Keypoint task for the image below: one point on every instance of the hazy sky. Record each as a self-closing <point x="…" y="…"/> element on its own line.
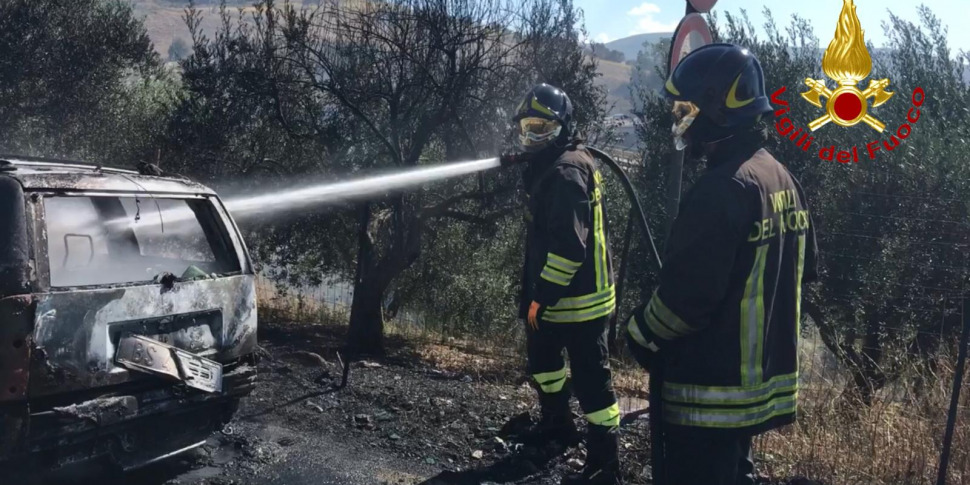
<point x="613" y="19"/>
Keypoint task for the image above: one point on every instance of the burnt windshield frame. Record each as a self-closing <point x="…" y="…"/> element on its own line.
<point x="216" y="233"/>
<point x="203" y="205"/>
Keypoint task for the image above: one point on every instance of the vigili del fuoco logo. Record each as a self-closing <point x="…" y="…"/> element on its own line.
<point x="847" y="62"/>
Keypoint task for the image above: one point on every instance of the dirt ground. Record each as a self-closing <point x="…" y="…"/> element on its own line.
<point x="431" y="415"/>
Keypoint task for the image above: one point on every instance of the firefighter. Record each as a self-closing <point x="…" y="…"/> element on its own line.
<point x="724" y="321"/>
<point x="568" y="290"/>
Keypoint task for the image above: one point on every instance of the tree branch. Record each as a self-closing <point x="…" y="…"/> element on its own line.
<point x="445" y="205"/>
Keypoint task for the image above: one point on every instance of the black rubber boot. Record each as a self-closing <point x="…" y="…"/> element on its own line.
<point x="602" y="459"/>
<point x="555" y="424"/>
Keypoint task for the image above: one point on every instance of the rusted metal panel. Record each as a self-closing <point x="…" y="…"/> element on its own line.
<point x="87" y="180"/>
<point x="76" y="333"/>
<point x="14" y="248"/>
<point x="16" y="325"/>
<point x="101" y="412"/>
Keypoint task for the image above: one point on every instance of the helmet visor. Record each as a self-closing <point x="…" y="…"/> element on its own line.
<point x="535" y="131"/>
<point x="685" y="113"/>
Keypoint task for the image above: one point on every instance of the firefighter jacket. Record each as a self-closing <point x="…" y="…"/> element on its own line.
<point x="567" y="266"/>
<point x="726" y="314"/>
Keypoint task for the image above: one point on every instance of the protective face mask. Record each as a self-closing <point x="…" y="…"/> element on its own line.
<point x="535" y="133"/>
<point x="684" y="115"/>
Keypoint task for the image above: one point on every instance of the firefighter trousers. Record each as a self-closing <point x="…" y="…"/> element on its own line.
<point x="701" y="456"/>
<point x="589" y="361"/>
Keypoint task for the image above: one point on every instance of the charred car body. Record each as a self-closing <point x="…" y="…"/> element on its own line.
<point x="127" y="314"/>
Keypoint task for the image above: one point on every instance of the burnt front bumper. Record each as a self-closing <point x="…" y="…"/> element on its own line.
<point x="133" y="423"/>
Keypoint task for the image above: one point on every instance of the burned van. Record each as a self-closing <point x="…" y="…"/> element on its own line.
<point x="127" y="314"/>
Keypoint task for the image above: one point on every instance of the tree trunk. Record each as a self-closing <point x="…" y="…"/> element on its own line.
<point x="366" y="335"/>
<point x="366" y="332"/>
<point x="401" y="248"/>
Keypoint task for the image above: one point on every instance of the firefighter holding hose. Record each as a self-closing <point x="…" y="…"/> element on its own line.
<point x="568" y="291"/>
<point x="724" y="321"/>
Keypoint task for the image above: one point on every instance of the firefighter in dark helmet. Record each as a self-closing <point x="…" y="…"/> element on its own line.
<point x="567" y="289"/>
<point x="724" y="321"/>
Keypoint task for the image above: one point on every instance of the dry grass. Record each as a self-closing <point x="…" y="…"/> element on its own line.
<point x="278" y="306"/>
<point x="896" y="441"/>
<point x="164" y="22"/>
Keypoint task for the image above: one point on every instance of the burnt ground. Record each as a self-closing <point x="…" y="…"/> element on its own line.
<point x="431" y="415"/>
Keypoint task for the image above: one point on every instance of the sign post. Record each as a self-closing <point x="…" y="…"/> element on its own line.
<point x="691" y="33"/>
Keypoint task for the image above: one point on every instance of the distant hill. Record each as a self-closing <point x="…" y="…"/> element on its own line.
<point x="163" y="18"/>
<point x="630" y="46"/>
<point x="615" y="77"/>
<point x="165" y="23"/>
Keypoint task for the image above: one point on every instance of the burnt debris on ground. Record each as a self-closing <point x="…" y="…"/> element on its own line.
<point x="429" y="414"/>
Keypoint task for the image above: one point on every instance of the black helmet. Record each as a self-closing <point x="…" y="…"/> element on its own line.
<point x="722" y="82"/>
<point x="543" y="117"/>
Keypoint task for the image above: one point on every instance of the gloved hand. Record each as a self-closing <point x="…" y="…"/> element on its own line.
<point x="534" y="311"/>
<point x="643" y="344"/>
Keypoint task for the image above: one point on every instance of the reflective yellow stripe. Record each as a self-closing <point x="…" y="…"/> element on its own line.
<point x="798" y="284"/>
<point x="536" y="105"/>
<point x="667" y="317"/>
<point x="551" y="382"/>
<point x="602" y="279"/>
<point x="562" y="264"/>
<point x="671" y="88"/>
<point x="581" y="315"/>
<point x="584" y="301"/>
<point x="605" y="417"/>
<point x="553" y="276"/>
<point x="753" y="321"/>
<point x="730" y="395"/>
<point x="599" y="234"/>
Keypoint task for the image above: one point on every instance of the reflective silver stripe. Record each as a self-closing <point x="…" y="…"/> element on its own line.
<point x="798" y="284"/>
<point x="656" y="326"/>
<point x="731" y="418"/>
<point x="597" y="251"/>
<point x="752" y="320"/>
<point x="668" y="317"/>
<point x="635" y="332"/>
<point x="553" y="277"/>
<point x="556" y="271"/>
<point x="685" y="393"/>
<point x="584" y="300"/>
<point x="597" y="311"/>
<point x="562" y="264"/>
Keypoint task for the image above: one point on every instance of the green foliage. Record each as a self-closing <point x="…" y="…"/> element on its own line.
<point x="77" y="76"/>
<point x="600" y="51"/>
<point x="338" y="89"/>
<point x="893" y="230"/>
<point x="179" y="49"/>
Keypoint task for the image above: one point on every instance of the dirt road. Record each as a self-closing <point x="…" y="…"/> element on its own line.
<point x="403" y="420"/>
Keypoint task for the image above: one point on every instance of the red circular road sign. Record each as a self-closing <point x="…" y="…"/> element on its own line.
<point x="702" y="6"/>
<point x="691" y="33"/>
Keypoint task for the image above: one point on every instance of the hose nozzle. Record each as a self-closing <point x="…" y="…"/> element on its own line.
<point x="508" y="159"/>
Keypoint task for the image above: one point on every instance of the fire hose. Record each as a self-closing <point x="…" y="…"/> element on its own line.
<point x="656" y="372"/>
